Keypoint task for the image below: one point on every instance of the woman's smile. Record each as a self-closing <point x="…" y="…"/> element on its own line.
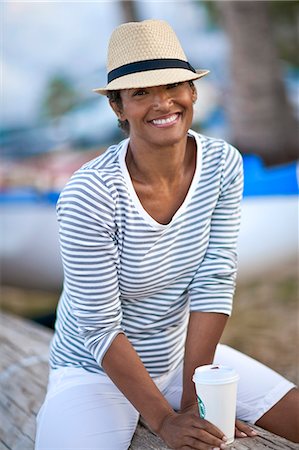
<point x="165" y="121"/>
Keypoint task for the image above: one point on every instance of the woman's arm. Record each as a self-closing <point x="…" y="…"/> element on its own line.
<point x="211" y="291"/>
<point x="185" y="430"/>
<point x="212" y="288"/>
<point x="123" y="365"/>
<point x="204" y="333"/>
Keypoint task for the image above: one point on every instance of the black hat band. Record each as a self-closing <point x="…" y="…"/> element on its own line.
<point x="149" y="64"/>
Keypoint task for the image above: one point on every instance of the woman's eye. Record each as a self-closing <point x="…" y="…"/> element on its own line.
<point x="173" y="85"/>
<point x="139" y="92"/>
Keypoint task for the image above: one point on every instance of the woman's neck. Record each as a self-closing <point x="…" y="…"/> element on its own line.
<point x="160" y="165"/>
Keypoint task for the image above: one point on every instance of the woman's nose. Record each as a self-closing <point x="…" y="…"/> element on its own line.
<point x="162" y="100"/>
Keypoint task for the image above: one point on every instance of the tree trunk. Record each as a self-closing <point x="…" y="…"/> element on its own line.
<point x="129" y="9"/>
<point x="262" y="119"/>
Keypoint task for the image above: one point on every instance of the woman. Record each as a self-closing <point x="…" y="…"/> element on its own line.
<point x="148" y="239"/>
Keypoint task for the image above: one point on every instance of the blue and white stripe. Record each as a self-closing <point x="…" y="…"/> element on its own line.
<point x="126" y="273"/>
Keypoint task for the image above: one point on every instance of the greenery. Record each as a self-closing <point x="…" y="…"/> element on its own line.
<point x="60" y="97"/>
<point x="284" y="17"/>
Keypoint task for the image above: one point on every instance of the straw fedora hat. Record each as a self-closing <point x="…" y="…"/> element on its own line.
<point x="145" y="54"/>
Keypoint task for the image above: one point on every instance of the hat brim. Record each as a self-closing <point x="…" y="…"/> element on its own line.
<point x="151" y="78"/>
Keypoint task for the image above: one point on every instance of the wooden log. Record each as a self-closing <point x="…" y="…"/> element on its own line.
<point x="23" y="379"/>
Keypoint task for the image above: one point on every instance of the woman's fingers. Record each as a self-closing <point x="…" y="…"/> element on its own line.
<point x="199" y="445"/>
<point x="207" y="433"/>
<point x="202" y="423"/>
<point x="244" y="430"/>
<point x="188" y="430"/>
<point x="203" y="439"/>
<point x="210" y="428"/>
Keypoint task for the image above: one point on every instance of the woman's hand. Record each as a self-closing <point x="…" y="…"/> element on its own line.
<point x="243" y="430"/>
<point x="186" y="430"/>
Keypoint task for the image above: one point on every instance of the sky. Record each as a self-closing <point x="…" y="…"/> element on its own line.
<point x="44" y="38"/>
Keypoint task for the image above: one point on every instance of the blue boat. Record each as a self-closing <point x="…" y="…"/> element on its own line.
<point x="29" y="249"/>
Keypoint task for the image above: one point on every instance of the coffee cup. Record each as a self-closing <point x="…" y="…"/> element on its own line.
<point x="216" y="390"/>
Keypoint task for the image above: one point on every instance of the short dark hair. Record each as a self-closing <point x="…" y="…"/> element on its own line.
<point x="115" y="97"/>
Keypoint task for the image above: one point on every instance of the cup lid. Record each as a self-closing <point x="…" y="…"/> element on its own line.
<point x="215" y="374"/>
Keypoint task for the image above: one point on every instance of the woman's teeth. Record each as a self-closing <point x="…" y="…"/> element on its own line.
<point x="165" y="121"/>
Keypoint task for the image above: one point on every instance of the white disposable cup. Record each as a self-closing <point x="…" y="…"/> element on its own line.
<point x="216" y="389"/>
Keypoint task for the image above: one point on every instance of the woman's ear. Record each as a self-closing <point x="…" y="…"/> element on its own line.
<point x="194" y="94"/>
<point x="116" y="108"/>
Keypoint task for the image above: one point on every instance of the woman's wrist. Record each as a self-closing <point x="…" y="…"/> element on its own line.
<point x="159" y="430"/>
<point x="188" y="396"/>
<point x="188" y="404"/>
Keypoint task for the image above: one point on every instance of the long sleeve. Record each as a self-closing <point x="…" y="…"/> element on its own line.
<point x="212" y="287"/>
<point x="90" y="260"/>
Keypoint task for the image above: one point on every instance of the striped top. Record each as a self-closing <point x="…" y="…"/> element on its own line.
<point x="127" y="273"/>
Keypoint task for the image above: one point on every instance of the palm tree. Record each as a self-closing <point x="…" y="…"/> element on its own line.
<point x="261" y="116"/>
<point x="60" y="97"/>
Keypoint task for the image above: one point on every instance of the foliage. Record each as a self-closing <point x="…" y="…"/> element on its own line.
<point x="60" y="97"/>
<point x="284" y="15"/>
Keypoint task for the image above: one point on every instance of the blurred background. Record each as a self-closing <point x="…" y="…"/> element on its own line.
<point x="53" y="54"/>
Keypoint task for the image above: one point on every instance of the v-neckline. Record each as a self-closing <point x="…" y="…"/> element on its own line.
<point x="142" y="211"/>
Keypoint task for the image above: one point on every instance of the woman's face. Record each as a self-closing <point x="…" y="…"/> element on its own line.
<point x="159" y="115"/>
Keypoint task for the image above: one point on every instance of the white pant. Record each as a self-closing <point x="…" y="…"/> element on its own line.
<point x="84" y="410"/>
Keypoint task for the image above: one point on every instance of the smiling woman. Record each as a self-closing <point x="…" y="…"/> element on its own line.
<point x="148" y="235"/>
<point x="116" y="102"/>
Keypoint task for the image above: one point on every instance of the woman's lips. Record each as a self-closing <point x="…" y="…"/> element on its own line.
<point x="165" y="121"/>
